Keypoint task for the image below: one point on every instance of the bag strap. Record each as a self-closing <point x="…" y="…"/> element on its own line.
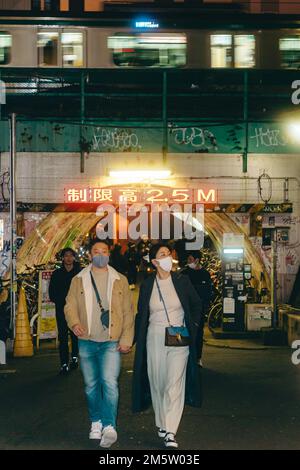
<point x="96" y="292"/>
<point x="162" y="300"/>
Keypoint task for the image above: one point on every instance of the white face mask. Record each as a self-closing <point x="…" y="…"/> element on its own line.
<point x="192" y="265"/>
<point x="166" y="263"/>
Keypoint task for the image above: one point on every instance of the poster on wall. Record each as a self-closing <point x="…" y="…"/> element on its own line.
<point x="47" y="328"/>
<point x="4" y="244"/>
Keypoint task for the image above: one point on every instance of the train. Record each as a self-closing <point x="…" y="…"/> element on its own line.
<point x="133" y="41"/>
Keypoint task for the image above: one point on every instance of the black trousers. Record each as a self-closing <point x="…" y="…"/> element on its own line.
<point x="200" y="332"/>
<point x="132" y="275"/>
<point x="63" y="338"/>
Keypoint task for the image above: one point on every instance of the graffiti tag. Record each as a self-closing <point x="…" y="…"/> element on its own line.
<point x="196" y="137"/>
<point x="115" y="139"/>
<point x="265" y="137"/>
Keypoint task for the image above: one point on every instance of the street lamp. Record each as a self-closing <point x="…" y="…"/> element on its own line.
<point x="293" y="129"/>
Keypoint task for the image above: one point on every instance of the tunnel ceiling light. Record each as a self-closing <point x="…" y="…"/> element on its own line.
<point x="233" y="251"/>
<point x="139" y="175"/>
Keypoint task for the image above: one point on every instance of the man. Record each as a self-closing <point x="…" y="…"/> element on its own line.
<point x="131" y="259"/>
<point x="201" y="280"/>
<point x="143" y="248"/>
<point x="99" y="311"/>
<point x="58" y="289"/>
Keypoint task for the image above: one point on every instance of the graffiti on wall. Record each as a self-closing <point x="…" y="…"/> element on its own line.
<point x="115" y="140"/>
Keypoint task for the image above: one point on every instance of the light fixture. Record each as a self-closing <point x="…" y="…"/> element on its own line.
<point x="233" y="251"/>
<point x="293" y="129"/>
<point x="139" y="175"/>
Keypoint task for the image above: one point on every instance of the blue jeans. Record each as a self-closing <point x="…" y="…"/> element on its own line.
<point x="100" y="365"/>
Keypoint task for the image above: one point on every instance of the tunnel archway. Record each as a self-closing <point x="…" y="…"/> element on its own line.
<point x="61" y="229"/>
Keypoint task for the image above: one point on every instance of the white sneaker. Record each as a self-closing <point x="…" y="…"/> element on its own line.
<point x="96" y="430"/>
<point x="161" y="433"/>
<point x="170" y="440"/>
<point x="109" y="437"/>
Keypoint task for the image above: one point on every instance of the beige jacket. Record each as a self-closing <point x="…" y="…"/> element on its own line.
<point x="79" y="304"/>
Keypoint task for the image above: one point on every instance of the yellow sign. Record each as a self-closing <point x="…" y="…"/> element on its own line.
<point x="47" y="328"/>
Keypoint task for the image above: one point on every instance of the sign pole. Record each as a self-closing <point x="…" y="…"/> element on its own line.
<point x="274" y="279"/>
<point x="13" y="223"/>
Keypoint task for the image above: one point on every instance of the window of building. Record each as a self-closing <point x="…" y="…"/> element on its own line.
<point x="221" y="50"/>
<point x="48" y="48"/>
<point x="72" y="49"/>
<point x="229" y="50"/>
<point x="5" y="47"/>
<point x="148" y="50"/>
<point x="289" y="48"/>
<point x="244" y="50"/>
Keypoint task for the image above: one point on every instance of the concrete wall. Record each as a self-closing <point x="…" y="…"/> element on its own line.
<point x="41" y="177"/>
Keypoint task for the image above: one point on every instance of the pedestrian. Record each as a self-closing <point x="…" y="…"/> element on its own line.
<point x="99" y="311"/>
<point x="201" y="280"/>
<point x="143" y="248"/>
<point x="166" y="375"/>
<point x="117" y="260"/>
<point x="131" y="258"/>
<point x="58" y="289"/>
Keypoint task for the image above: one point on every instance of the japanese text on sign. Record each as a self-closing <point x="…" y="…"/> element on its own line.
<point x="134" y="195"/>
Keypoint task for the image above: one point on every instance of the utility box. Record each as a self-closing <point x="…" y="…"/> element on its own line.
<point x="233" y="283"/>
<point x="258" y="316"/>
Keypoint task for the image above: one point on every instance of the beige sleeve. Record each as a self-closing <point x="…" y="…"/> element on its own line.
<point x="128" y="316"/>
<point x="71" y="307"/>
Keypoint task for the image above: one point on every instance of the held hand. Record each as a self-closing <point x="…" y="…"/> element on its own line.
<point x="124" y="349"/>
<point x="78" y="330"/>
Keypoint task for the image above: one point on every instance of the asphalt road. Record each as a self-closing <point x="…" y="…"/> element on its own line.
<point x="251" y="401"/>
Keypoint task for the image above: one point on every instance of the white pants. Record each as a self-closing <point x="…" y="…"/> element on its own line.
<point x="167" y="373"/>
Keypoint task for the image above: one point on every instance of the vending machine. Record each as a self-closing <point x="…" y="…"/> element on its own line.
<point x="234" y="293"/>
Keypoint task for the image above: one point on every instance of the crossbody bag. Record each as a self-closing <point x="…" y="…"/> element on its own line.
<point x="104" y="316"/>
<point x="175" y="335"/>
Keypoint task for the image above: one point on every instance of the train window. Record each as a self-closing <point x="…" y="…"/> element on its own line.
<point x="290" y="52"/>
<point x="72" y="49"/>
<point x="48" y="48"/>
<point x="221" y="50"/>
<point x="5" y="47"/>
<point x="223" y="55"/>
<point x="244" y="50"/>
<point x="148" y="49"/>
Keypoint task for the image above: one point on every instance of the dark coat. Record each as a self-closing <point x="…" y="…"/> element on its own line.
<point x="60" y="284"/>
<point x="191" y="303"/>
<point x="201" y="280"/>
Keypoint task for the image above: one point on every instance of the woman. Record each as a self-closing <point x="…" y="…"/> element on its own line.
<point x="167" y="375"/>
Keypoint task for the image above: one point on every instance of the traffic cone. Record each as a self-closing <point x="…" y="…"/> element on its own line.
<point x="23" y="346"/>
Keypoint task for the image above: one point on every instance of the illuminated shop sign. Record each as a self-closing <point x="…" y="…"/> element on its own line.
<point x="147" y="24"/>
<point x="139" y="195"/>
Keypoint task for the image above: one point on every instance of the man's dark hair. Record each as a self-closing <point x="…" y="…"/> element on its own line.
<point x="97" y="240"/>
<point x="155" y="249"/>
<point x="194" y="254"/>
<point x="68" y="250"/>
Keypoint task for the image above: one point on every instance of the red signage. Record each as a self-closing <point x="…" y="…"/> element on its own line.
<point x="76" y="195"/>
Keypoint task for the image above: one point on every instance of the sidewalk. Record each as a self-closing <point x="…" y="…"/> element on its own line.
<point x="251" y="401"/>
